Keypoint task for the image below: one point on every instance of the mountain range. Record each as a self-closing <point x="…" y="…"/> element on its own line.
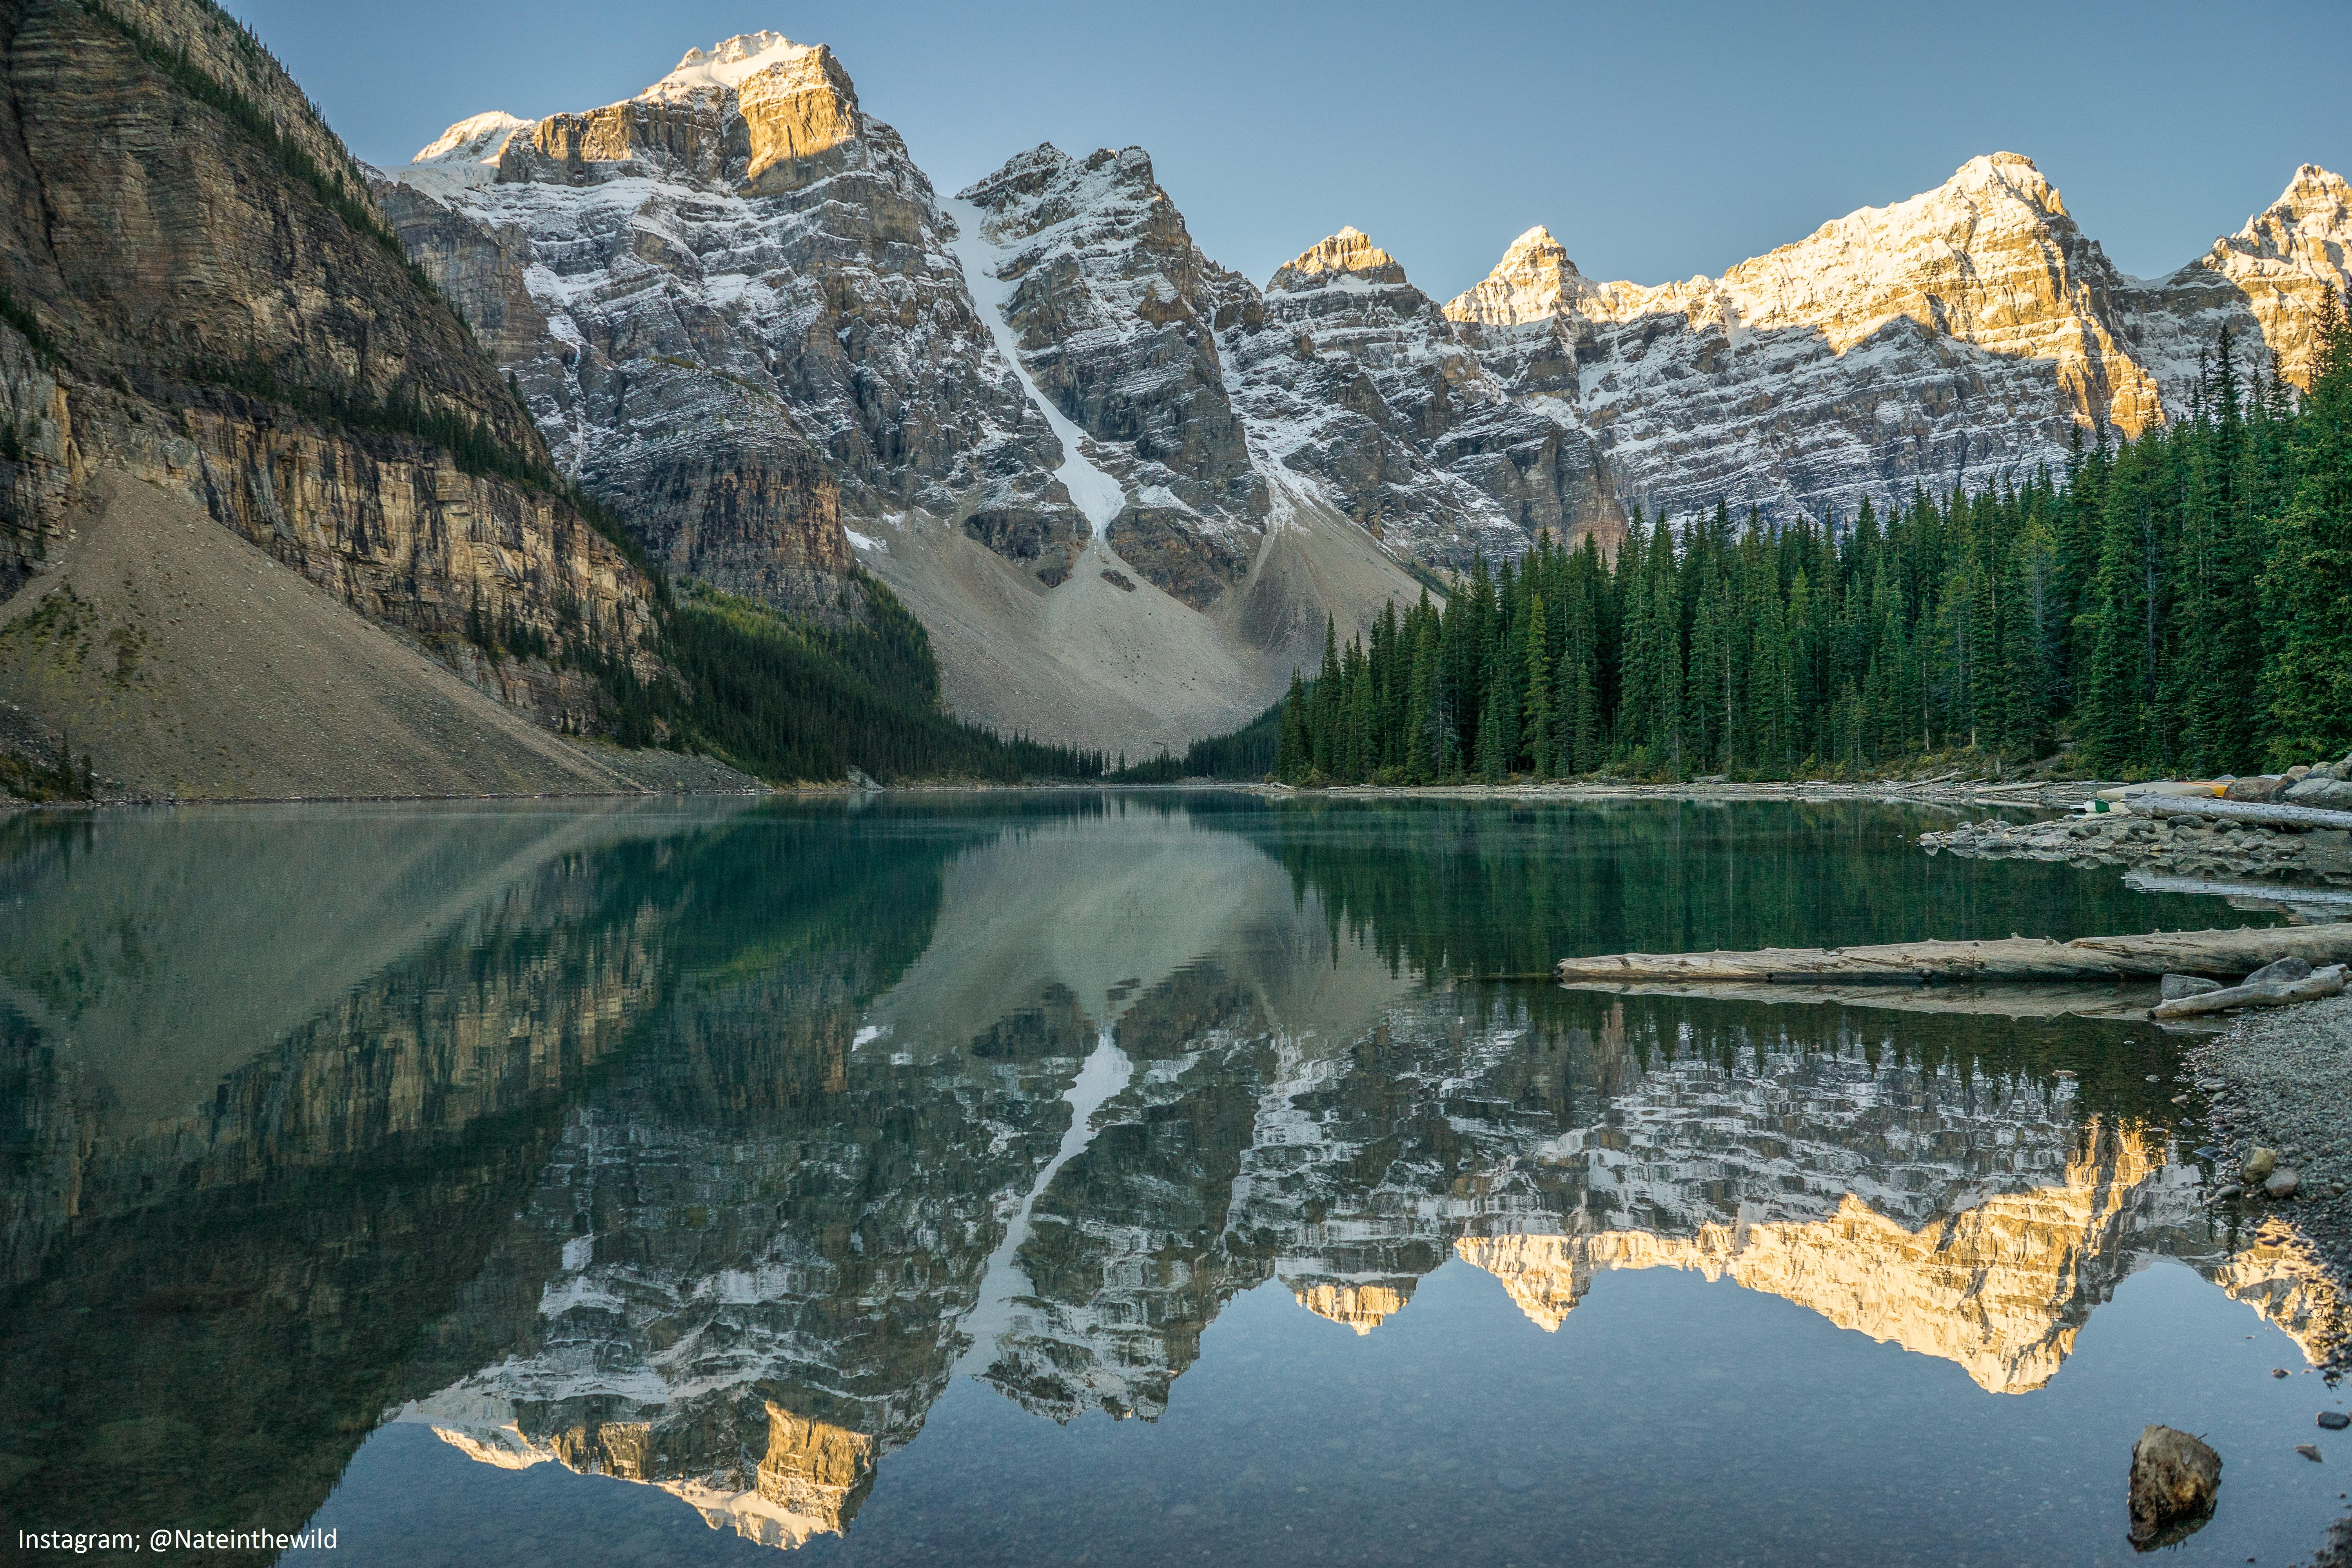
<point x="1123" y="485"/>
<point x="479" y="412"/>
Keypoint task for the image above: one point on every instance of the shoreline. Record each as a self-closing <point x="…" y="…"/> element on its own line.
<point x="2285" y="1083"/>
<point x="2060" y="794"/>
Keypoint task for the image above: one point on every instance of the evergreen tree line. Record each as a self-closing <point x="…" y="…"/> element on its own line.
<point x="1247" y="753"/>
<point x="2180" y="602"/>
<point x="793" y="698"/>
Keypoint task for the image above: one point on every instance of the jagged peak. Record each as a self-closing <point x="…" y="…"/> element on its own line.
<point x="2313" y="188"/>
<point x="1362" y="1308"/>
<point x="2012" y="172"/>
<point x="478" y="139"/>
<point x="730" y="63"/>
<point x="1349" y="251"/>
<point x="1531" y="281"/>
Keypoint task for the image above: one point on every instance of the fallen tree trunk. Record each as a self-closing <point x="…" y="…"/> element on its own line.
<point x="2098" y="999"/>
<point x="2241" y="811"/>
<point x="2207" y="952"/>
<point x="2329" y="982"/>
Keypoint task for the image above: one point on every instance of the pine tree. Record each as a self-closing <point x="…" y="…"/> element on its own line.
<point x="2307" y="685"/>
<point x="1536" y="731"/>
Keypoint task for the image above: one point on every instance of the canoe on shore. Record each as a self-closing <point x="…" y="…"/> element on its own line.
<point x="2215" y="953"/>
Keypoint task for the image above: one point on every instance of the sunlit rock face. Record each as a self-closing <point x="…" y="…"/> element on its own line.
<point x="1963" y="332"/>
<point x="1997" y="1288"/>
<point x="1362" y="1308"/>
<point x="2265" y="284"/>
<point x="1959" y="337"/>
<point x="729" y="304"/>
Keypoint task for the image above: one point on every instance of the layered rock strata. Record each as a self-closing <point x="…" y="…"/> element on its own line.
<point x="1356" y="379"/>
<point x="730" y="304"/>
<point x="1960" y="338"/>
<point x="219" y="311"/>
<point x="1115" y="310"/>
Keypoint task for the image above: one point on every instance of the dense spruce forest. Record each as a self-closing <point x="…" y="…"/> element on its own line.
<point x="2180" y="602"/>
<point x="796" y="698"/>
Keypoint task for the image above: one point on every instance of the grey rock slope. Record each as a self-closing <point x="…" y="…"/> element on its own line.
<point x="1123" y="486"/>
<point x="745" y="321"/>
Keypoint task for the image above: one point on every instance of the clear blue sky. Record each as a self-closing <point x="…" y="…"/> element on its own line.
<point x="1656" y="140"/>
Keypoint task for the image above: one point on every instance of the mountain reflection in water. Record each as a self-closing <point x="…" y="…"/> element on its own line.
<point x="704" y="1148"/>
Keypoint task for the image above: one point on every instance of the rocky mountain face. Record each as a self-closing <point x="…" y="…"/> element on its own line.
<point x="742" y="317"/>
<point x="1957" y="337"/>
<point x="745" y="321"/>
<point x="1115" y="312"/>
<point x="730" y="303"/>
<point x="201" y="294"/>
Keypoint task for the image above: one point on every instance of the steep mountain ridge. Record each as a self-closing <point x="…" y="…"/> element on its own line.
<point x="745" y="320"/>
<point x="1955" y="338"/>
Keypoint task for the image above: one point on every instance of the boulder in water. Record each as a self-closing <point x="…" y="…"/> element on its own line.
<point x="2176" y="987"/>
<point x="2175" y="1478"/>
<point x="2259" y="1164"/>
<point x="2285" y="970"/>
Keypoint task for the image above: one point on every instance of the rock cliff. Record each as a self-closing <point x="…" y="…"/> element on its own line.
<point x="741" y="316"/>
<point x="730" y="303"/>
<point x="202" y="295"/>
<point x="1956" y="338"/>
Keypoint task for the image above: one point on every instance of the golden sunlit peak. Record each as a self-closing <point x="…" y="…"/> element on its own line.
<point x="1362" y="1308"/>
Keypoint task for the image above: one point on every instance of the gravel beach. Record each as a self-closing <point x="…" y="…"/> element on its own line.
<point x="2286" y="1078"/>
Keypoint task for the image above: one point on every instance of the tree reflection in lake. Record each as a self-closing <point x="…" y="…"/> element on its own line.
<point x="704" y="1148"/>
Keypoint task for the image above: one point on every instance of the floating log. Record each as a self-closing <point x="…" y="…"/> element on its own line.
<point x="2088" y="1000"/>
<point x="2313" y="987"/>
<point x="2209" y="952"/>
<point x="2242" y="811"/>
<point x="2218" y="887"/>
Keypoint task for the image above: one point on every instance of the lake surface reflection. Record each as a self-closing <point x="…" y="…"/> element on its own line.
<point x="1092" y="1178"/>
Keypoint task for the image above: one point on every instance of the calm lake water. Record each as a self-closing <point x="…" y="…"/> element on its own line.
<point x="1094" y="1179"/>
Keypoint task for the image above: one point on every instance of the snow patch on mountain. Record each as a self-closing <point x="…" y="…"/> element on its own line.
<point x="479" y="139"/>
<point x="1096" y="493"/>
<point x="726" y="66"/>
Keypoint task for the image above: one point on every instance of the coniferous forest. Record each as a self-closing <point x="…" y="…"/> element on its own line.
<point x="2182" y="603"/>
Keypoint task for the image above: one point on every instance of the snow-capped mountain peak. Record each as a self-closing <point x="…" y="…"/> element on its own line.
<point x="1534" y="279"/>
<point x="1349" y="251"/>
<point x="728" y="65"/>
<point x="477" y="139"/>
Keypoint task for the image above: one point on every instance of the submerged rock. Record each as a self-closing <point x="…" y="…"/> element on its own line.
<point x="2175" y="1478"/>
<point x="2334" y="1420"/>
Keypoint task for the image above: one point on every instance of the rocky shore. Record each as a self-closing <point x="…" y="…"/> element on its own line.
<point x="2283" y="1081"/>
<point x="2184" y="846"/>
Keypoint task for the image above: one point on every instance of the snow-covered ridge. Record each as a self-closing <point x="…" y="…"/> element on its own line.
<point x="726" y="64"/>
<point x="479" y="139"/>
<point x="1349" y="251"/>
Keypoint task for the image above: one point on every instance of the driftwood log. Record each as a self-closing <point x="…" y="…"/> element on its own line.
<point x="2240" y="811"/>
<point x="2313" y="987"/>
<point x="2099" y="999"/>
<point x="2215" y="954"/>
